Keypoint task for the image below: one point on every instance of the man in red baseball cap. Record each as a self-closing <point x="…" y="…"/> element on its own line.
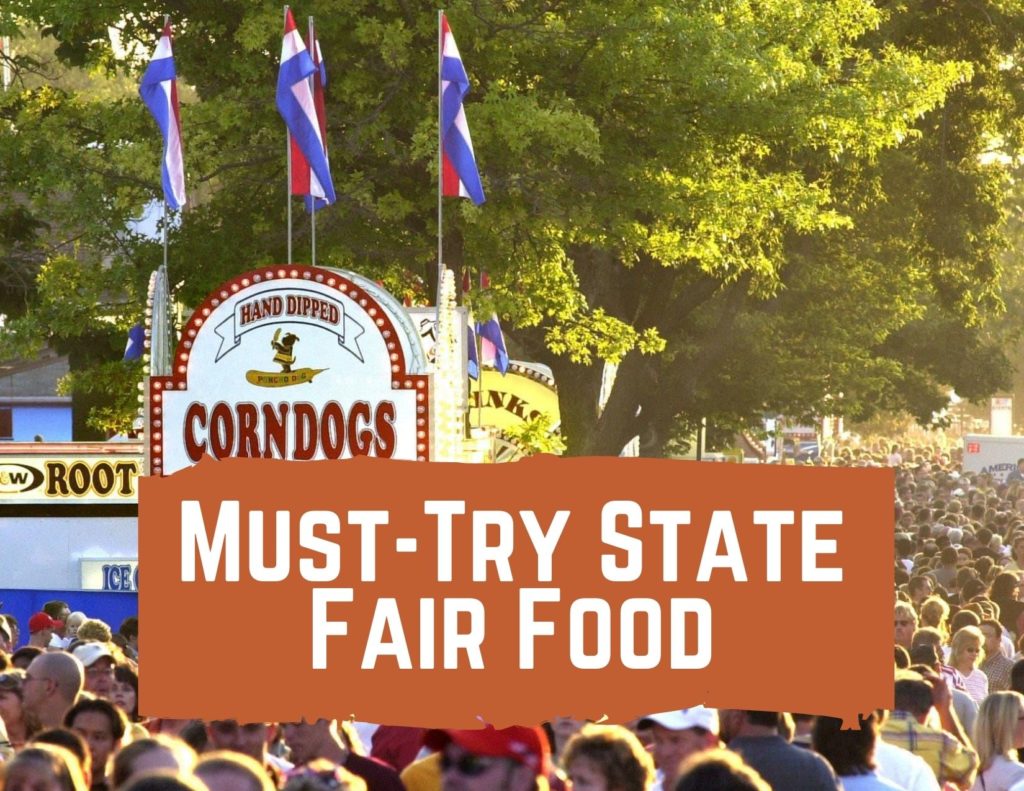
<point x="510" y="759"/>
<point x="41" y="628"/>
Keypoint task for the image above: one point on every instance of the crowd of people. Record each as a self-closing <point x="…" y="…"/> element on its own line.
<point x="69" y="718"/>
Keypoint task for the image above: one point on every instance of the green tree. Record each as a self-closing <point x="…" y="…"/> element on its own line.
<point x="750" y="205"/>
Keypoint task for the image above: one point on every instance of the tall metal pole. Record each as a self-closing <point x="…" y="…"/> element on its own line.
<point x="312" y="89"/>
<point x="288" y="191"/>
<point x="164" y="234"/>
<point x="440" y="159"/>
<point x="479" y="376"/>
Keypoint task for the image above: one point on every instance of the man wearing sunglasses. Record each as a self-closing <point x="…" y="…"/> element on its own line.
<point x="510" y="759"/>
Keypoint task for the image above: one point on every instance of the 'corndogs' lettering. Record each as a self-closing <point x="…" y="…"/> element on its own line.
<point x="299" y="431"/>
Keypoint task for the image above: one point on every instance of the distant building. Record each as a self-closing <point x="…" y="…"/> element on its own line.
<point x="30" y="409"/>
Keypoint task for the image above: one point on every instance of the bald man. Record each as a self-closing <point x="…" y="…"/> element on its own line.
<point x="51" y="686"/>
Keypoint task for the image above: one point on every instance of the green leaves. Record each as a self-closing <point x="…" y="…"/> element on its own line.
<point x="743" y="202"/>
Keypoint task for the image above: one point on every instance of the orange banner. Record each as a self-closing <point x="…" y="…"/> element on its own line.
<point x="445" y="595"/>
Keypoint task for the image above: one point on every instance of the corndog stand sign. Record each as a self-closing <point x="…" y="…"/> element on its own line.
<point x="296" y="363"/>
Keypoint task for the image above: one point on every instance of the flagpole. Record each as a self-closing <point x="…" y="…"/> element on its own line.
<point x="440" y="159"/>
<point x="167" y="19"/>
<point x="164" y="228"/>
<point x="479" y="377"/>
<point x="288" y="144"/>
<point x="312" y="89"/>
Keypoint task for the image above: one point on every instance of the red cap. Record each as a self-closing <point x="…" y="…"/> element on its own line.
<point x="528" y="746"/>
<point x="41" y="621"/>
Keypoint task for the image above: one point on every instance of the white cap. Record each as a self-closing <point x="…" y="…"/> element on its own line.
<point x="683" y="719"/>
<point x="88" y="653"/>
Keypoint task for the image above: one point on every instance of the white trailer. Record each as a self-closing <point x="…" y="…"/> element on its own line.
<point x="995" y="455"/>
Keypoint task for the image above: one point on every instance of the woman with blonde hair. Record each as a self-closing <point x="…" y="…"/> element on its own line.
<point x="964" y="655"/>
<point x="998" y="730"/>
<point x="607" y="758"/>
<point x="93" y="629"/>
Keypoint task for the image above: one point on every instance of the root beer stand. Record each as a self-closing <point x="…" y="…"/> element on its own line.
<point x="68" y="515"/>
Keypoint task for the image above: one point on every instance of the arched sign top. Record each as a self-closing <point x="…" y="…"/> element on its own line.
<point x="408" y="331"/>
<point x="290" y="362"/>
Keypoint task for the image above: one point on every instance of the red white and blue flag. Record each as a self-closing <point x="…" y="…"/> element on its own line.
<point x="492" y="344"/>
<point x="159" y="92"/>
<point x="493" y="352"/>
<point x="297" y="106"/>
<point x="459" y="176"/>
<point x="304" y="181"/>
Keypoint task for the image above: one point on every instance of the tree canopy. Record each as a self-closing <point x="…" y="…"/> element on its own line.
<point x="751" y="206"/>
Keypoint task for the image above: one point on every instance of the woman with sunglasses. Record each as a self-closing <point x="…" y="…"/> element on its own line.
<point x="998" y="730"/>
<point x="965" y="656"/>
<point x="11" y="711"/>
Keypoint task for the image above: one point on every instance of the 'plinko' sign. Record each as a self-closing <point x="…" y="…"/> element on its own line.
<point x="443" y="594"/>
<point x="294" y="363"/>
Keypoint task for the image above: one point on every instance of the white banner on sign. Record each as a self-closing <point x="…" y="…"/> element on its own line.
<point x="296" y="306"/>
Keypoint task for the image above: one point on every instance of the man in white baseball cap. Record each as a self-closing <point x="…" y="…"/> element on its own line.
<point x="99" y="668"/>
<point x="678" y="735"/>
